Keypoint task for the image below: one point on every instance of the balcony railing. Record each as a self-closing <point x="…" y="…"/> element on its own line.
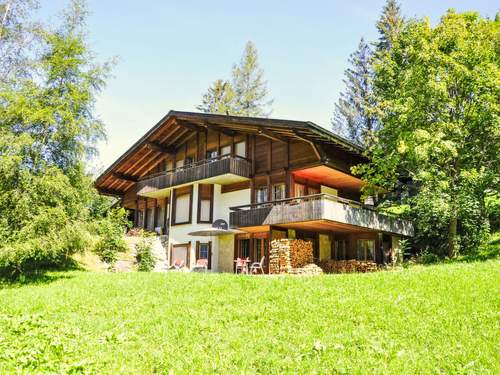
<point x="199" y="170"/>
<point x="316" y="207"/>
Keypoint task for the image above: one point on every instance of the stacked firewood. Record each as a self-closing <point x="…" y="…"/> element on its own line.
<point x="301" y="253"/>
<point x="279" y="256"/>
<point x="286" y="255"/>
<point x="308" y="269"/>
<point x="347" y="266"/>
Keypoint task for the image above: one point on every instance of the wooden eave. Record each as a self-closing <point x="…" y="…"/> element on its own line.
<point x="162" y="141"/>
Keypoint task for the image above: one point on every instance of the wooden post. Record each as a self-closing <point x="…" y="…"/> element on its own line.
<point x="145" y="216"/>
<point x="136" y="215"/>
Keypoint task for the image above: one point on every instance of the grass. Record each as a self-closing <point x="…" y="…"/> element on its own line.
<point x="435" y="319"/>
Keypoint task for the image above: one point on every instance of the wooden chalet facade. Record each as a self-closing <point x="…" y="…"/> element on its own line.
<point x="267" y="178"/>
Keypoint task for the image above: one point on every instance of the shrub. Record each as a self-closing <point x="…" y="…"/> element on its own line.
<point x="110" y="230"/>
<point x="426" y="257"/>
<point x="145" y="259"/>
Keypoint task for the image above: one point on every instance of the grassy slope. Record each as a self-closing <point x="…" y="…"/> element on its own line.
<point x="437" y="319"/>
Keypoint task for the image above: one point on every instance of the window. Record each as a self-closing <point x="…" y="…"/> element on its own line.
<point x="259" y="248"/>
<point x="212" y="154"/>
<point x="204" y="251"/>
<point x="340" y="247"/>
<point x="205" y="203"/>
<point x="182" y="205"/>
<point x="179" y="163"/>
<point x="365" y="250"/>
<point x="226" y="150"/>
<point x="188" y="160"/>
<point x="311" y="190"/>
<point x="160" y="217"/>
<point x="278" y="192"/>
<point x="243" y="248"/>
<point x="169" y="165"/>
<point x="300" y="190"/>
<point x="261" y="194"/>
<point x="180" y="253"/>
<point x="240" y="149"/>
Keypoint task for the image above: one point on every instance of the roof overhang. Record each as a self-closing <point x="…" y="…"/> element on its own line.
<point x="162" y="140"/>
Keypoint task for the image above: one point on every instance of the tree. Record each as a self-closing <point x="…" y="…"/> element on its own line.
<point x="389" y="25"/>
<point x="437" y="95"/>
<point x="352" y="116"/>
<point x="249" y="86"/>
<point x="218" y="99"/>
<point x="245" y="95"/>
<point x="48" y="129"/>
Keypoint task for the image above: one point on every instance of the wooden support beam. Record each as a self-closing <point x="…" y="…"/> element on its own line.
<point x="270" y="134"/>
<point x="154" y="146"/>
<point x="112" y="192"/>
<point x="313" y="145"/>
<point x="228" y="132"/>
<point x="191" y="126"/>
<point x="124" y="177"/>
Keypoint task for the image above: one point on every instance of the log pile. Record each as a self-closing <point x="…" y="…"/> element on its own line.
<point x="279" y="256"/>
<point x="291" y="256"/>
<point x="301" y="253"/>
<point x="347" y="266"/>
<point x="308" y="270"/>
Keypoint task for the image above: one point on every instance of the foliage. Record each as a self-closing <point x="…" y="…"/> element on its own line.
<point x="130" y="323"/>
<point x="492" y="204"/>
<point x="110" y="230"/>
<point x="352" y="117"/>
<point x="245" y="95"/>
<point x="389" y="25"/>
<point x="436" y="94"/>
<point x="218" y="99"/>
<point x="144" y="254"/>
<point x="47" y="131"/>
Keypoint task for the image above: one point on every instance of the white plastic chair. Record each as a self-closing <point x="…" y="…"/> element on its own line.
<point x="257" y="266"/>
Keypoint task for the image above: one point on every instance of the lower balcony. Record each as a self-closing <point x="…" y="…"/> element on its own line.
<point x="219" y="170"/>
<point x="317" y="212"/>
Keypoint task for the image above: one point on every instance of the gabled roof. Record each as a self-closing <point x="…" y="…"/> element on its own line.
<point x="162" y="140"/>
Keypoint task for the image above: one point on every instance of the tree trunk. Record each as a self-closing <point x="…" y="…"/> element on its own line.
<point x="452" y="237"/>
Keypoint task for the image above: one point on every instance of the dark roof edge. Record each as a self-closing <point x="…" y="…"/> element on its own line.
<point x="303" y="124"/>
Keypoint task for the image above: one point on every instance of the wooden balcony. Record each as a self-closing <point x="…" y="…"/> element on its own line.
<point x="319" y="208"/>
<point x="221" y="169"/>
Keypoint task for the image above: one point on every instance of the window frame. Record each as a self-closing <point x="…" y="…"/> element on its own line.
<point x="174" y="206"/>
<point x="266" y="196"/>
<point x="211" y="218"/>
<point x="273" y="191"/>
<point x="198" y="248"/>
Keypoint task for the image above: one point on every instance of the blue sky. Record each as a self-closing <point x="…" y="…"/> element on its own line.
<point x="170" y="51"/>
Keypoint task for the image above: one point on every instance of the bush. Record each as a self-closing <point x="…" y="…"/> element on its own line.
<point x="145" y="259"/>
<point x="51" y="250"/>
<point x="110" y="230"/>
<point x="426" y="257"/>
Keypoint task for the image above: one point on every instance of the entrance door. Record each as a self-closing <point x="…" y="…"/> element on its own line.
<point x="180" y="252"/>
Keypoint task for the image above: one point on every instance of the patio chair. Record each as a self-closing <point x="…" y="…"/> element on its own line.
<point x="241" y="265"/>
<point x="200" y="266"/>
<point x="178" y="265"/>
<point x="256" y="266"/>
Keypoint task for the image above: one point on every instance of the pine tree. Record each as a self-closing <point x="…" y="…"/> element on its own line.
<point x="249" y="86"/>
<point x="352" y="116"/>
<point x="390" y="23"/>
<point x="218" y="99"/>
<point x="245" y="95"/>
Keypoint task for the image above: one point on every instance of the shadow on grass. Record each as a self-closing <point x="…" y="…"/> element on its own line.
<point x="42" y="275"/>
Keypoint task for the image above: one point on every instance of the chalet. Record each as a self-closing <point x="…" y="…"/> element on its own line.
<point x="255" y="180"/>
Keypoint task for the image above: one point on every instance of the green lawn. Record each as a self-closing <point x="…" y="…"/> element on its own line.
<point x="436" y="319"/>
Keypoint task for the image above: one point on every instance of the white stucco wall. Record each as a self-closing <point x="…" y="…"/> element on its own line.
<point x="179" y="233"/>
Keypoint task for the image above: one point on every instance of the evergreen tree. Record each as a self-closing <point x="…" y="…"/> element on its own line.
<point x="352" y="117"/>
<point x="218" y="99"/>
<point x="245" y="95"/>
<point x="249" y="85"/>
<point x="389" y="25"/>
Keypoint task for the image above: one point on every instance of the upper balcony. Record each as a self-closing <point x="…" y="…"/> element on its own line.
<point x="317" y="212"/>
<point x="225" y="169"/>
